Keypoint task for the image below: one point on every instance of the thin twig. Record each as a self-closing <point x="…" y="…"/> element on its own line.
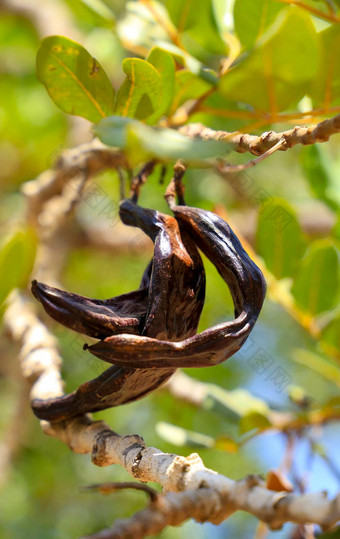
<point x="331" y="17"/>
<point x="138" y="180"/>
<point x="108" y="488"/>
<point x="224" y="169"/>
<point x="121" y="184"/>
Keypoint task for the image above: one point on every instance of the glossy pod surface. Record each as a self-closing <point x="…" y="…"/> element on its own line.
<point x="247" y="286"/>
<point x="167" y="306"/>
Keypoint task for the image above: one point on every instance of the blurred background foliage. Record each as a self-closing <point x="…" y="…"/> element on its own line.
<point x="248" y="65"/>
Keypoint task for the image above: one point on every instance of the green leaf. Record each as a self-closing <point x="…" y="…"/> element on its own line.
<point x="179" y="436"/>
<point x="196" y="24"/>
<point x="325" y="91"/>
<point x="92" y="12"/>
<point x="112" y="130"/>
<point x="16" y="261"/>
<point x="165" y="65"/>
<point x="224" y="443"/>
<point x="254" y="420"/>
<point x="318" y="173"/>
<point x="235" y="403"/>
<point x="140" y="94"/>
<point x="188" y="85"/>
<point x="317" y="282"/>
<point x="74" y="79"/>
<point x="139" y="24"/>
<point x="144" y="142"/>
<point x="331" y="333"/>
<point x="18" y="44"/>
<point x="279" y="238"/>
<point x="318" y="364"/>
<point x="253" y="17"/>
<point x="279" y="71"/>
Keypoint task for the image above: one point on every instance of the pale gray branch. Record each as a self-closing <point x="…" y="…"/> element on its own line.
<point x="202" y="493"/>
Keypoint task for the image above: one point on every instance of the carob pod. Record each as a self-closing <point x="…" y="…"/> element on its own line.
<point x="175" y="285"/>
<point x="94" y="317"/>
<point x="247" y="286"/>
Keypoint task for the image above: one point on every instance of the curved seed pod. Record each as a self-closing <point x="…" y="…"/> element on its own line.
<point x="175" y="300"/>
<point x="177" y="284"/>
<point x="94" y="317"/>
<point x="247" y="286"/>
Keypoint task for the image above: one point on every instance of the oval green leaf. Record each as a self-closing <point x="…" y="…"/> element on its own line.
<point x="237" y="402"/>
<point x="179" y="436"/>
<point x="227" y="444"/>
<point x="188" y="85"/>
<point x="165" y="65"/>
<point x="196" y="23"/>
<point x="74" y="79"/>
<point x="254" y="420"/>
<point x="331" y="333"/>
<point x="279" y="71"/>
<point x="322" y="182"/>
<point x="17" y="257"/>
<point x="279" y="238"/>
<point x="92" y="12"/>
<point x="253" y="17"/>
<point x="317" y="282"/>
<point x="325" y="90"/>
<point x="140" y="94"/>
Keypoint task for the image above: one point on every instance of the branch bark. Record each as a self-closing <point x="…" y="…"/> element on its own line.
<point x="192" y="490"/>
<point x="92" y="158"/>
<point x="258" y="145"/>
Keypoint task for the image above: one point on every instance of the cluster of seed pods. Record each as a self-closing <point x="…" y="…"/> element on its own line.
<point x="148" y="333"/>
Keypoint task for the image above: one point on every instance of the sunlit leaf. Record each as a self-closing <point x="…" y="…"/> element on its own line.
<point x="165" y="65"/>
<point x="273" y="77"/>
<point x="179" y="436"/>
<point x="238" y="402"/>
<point x="225" y="443"/>
<point x="253" y="17"/>
<point x="140" y="94"/>
<point x="92" y="12"/>
<point x="331" y="335"/>
<point x="317" y="363"/>
<point x="279" y="238"/>
<point x="318" y="174"/>
<point x="74" y="79"/>
<point x="196" y="24"/>
<point x="317" y="281"/>
<point x="254" y="420"/>
<point x="139" y="24"/>
<point x="19" y="41"/>
<point x="325" y="91"/>
<point x="17" y="256"/>
<point x="188" y="86"/>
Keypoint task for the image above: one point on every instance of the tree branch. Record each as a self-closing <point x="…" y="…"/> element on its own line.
<point x="94" y="157"/>
<point x="87" y="159"/>
<point x="210" y="497"/>
<point x="257" y="145"/>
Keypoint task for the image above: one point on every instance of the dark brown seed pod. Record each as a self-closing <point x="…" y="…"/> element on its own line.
<point x="247" y="286"/>
<point x="175" y="285"/>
